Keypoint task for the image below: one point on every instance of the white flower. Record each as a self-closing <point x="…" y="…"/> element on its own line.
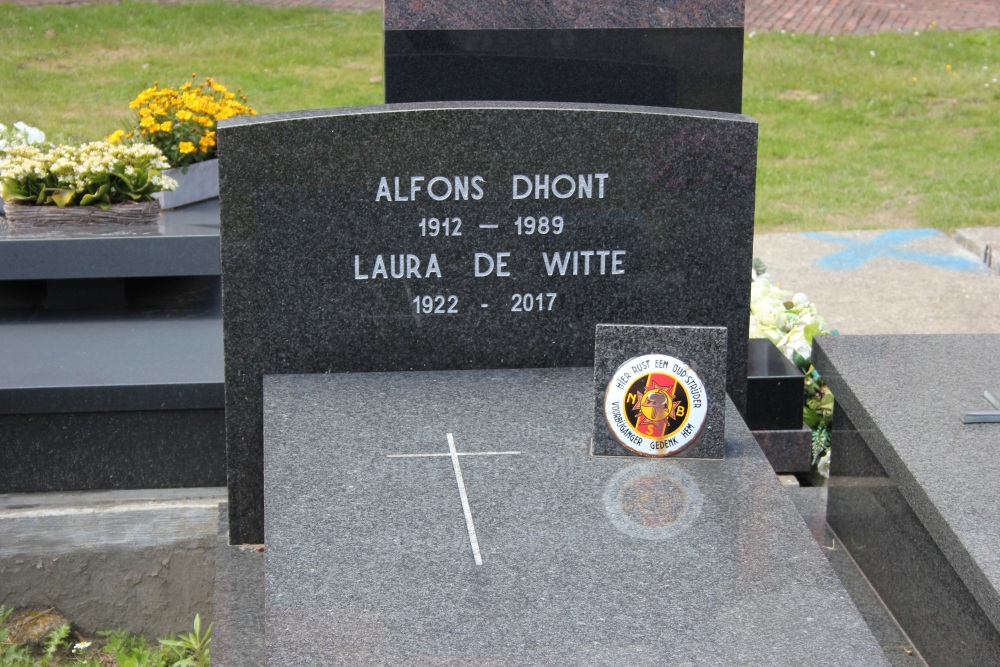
<point x="823" y="467"/>
<point x="33" y="134"/>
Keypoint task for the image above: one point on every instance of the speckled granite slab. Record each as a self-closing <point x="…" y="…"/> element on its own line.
<point x="582" y="560"/>
<point x="686" y="53"/>
<point x="913" y="489"/>
<point x="539" y="14"/>
<point x="462" y="236"/>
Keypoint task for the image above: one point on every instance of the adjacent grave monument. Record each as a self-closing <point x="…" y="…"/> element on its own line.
<point x="112" y="356"/>
<point x="912" y="490"/>
<point x="685" y="53"/>
<point x="465" y="236"/>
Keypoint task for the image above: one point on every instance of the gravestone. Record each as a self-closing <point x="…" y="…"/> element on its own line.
<point x="912" y="491"/>
<point x="430" y="518"/>
<point x="465" y="236"/>
<point x="686" y="53"/>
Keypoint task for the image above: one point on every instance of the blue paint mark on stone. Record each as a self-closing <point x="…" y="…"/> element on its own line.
<point x="887" y="245"/>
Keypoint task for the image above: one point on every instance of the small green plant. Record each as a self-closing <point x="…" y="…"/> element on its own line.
<point x="128" y="650"/>
<point x="118" y="648"/>
<point x="55" y="641"/>
<point x="190" y="650"/>
<point x="10" y="655"/>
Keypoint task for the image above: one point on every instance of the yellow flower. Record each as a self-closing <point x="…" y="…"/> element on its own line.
<point x="205" y="143"/>
<point x="147" y="121"/>
<point x="166" y="126"/>
<point x="186" y="147"/>
<point x="184" y="114"/>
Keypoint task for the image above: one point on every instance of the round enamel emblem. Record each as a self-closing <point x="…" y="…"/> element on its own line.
<point x="655" y="405"/>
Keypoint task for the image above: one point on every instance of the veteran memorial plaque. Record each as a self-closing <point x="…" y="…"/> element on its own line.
<point x="468" y="236"/>
<point x="659" y="391"/>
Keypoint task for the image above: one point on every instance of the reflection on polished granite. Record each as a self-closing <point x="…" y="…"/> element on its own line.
<point x="912" y="489"/>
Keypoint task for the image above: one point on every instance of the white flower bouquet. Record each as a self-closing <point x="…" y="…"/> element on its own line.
<point x="791" y="322"/>
<point x="97" y="182"/>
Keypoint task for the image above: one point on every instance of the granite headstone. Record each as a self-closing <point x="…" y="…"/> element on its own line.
<point x="686" y="53"/>
<point x="463" y="236"/>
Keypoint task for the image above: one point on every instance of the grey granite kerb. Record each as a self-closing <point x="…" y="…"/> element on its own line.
<point x="906" y="395"/>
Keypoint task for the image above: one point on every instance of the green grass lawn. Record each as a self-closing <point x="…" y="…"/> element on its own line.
<point x="892" y="130"/>
<point x="73" y="70"/>
<point x="909" y="136"/>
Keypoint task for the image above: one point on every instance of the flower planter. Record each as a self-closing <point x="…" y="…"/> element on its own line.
<point x="201" y="182"/>
<point x="129" y="213"/>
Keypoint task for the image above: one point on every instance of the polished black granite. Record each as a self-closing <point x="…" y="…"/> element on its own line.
<point x="650" y="222"/>
<point x="911" y="491"/>
<point x="577" y="14"/>
<point x="152" y="357"/>
<point x="582" y="560"/>
<point x="115" y="399"/>
<point x="775" y="388"/>
<point x="137" y="449"/>
<point x="685" y="68"/>
<point x="788" y="451"/>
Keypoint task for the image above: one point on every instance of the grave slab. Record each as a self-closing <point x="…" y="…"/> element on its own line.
<point x="463" y="236"/>
<point x="381" y="489"/>
<point x="912" y="492"/>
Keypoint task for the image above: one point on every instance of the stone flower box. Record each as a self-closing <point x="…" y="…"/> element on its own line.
<point x="201" y="182"/>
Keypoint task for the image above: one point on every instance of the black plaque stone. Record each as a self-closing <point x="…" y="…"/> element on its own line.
<point x="775" y="389"/>
<point x="680" y="54"/>
<point x="463" y="236"/>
